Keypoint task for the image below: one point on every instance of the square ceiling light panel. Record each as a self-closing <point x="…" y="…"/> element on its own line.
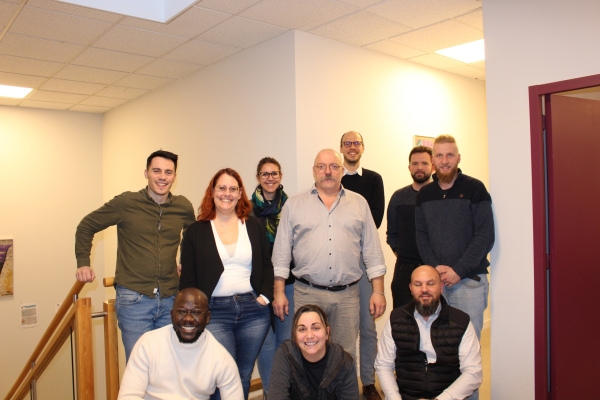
<point x="154" y="10"/>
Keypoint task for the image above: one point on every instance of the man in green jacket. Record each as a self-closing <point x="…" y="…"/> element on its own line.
<point x="149" y="229"/>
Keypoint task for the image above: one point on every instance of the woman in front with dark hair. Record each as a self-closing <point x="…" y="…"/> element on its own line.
<point x="226" y="255"/>
<point x="309" y="366"/>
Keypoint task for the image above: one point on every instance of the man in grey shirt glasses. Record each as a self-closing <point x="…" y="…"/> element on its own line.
<point x="325" y="230"/>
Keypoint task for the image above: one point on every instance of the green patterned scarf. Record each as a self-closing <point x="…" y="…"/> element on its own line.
<point x="269" y="212"/>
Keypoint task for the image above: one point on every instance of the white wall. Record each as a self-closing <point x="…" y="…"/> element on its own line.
<point x="527" y="43"/>
<point x="342" y="87"/>
<point x="51" y="174"/>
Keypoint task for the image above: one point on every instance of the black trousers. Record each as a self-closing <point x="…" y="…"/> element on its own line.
<point x="400" y="290"/>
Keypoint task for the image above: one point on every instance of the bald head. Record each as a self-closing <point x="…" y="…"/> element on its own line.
<point x="190" y="314"/>
<point x="426" y="288"/>
<point x="194" y="295"/>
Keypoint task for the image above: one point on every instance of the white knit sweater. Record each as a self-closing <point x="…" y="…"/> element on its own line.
<point x="160" y="367"/>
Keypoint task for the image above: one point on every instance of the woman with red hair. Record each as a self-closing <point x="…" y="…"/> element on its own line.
<point x="226" y="255"/>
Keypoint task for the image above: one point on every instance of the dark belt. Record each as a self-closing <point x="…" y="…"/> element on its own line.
<point x="330" y="288"/>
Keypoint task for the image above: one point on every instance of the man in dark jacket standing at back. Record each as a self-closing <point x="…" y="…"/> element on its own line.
<point x="455" y="231"/>
<point x="431" y="346"/>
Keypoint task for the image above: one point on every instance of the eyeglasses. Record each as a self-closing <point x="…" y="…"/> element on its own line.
<point x="348" y="144"/>
<point x="223" y="189"/>
<point x="274" y="175"/>
<point x="323" y="167"/>
<point x="181" y="313"/>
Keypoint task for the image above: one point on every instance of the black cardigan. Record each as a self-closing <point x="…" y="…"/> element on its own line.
<point x="201" y="265"/>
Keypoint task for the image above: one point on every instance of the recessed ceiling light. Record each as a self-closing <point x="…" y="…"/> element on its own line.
<point x="467" y="53"/>
<point x="14" y="92"/>
<point x="154" y="10"/>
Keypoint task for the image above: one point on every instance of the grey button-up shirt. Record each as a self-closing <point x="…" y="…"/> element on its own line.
<point x="326" y="245"/>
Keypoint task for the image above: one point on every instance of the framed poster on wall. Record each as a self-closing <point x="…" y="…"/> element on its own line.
<point x="424" y="141"/>
<point x="6" y="267"/>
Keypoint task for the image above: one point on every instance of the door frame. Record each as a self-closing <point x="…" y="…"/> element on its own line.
<point x="538" y="186"/>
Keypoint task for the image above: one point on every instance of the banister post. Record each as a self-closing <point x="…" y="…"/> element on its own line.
<point x="84" y="350"/>
<point x="111" y="346"/>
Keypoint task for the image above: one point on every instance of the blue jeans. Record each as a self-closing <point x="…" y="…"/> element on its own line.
<point x="240" y="324"/>
<point x="138" y="314"/>
<point x="283" y="331"/>
<point x="471" y="297"/>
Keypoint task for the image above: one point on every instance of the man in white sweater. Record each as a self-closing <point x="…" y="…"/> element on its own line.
<point x="182" y="360"/>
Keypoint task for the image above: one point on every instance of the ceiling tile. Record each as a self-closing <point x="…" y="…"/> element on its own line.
<point x="417" y="14"/>
<point x="61" y="85"/>
<point x="395" y="49"/>
<point x="228" y="6"/>
<point x="6" y="12"/>
<point x="28" y="66"/>
<point x="469" y="72"/>
<point x="169" y="68"/>
<point x="90" y="109"/>
<point x="102" y="101"/>
<point x="189" y="24"/>
<point x="56" y="97"/>
<point x="241" y="32"/>
<point x="300" y="14"/>
<point x="138" y="41"/>
<point x="29" y="81"/>
<point x="436" y="61"/>
<point x="360" y="29"/>
<point x="45" y="104"/>
<point x="121" y="92"/>
<point x="56" y="26"/>
<point x="474" y="19"/>
<point x="87" y="74"/>
<point x="49" y="50"/>
<point x="74" y="10"/>
<point x="439" y="36"/>
<point x="479" y="65"/>
<point x="113" y="60"/>
<point x="142" y="81"/>
<point x="5" y="101"/>
<point x="359" y="3"/>
<point x="198" y="52"/>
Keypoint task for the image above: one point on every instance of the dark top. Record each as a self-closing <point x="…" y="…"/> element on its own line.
<point x="314" y="373"/>
<point x="455" y="228"/>
<point x="289" y="380"/>
<point x="401" y="232"/>
<point x="201" y="265"/>
<point x="370" y="186"/>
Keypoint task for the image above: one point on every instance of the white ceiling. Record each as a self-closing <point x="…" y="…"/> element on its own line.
<point x="82" y="59"/>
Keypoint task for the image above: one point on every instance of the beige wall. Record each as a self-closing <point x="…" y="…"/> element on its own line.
<point x="51" y="173"/>
<point x="527" y="43"/>
<point x="342" y="87"/>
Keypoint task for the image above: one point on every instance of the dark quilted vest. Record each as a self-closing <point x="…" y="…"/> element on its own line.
<point x="415" y="377"/>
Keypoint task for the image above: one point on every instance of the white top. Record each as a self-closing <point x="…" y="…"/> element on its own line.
<point x="160" y="367"/>
<point x="236" y="276"/>
<point x="358" y="171"/>
<point x="469" y="356"/>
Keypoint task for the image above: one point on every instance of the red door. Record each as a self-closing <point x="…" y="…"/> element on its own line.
<point x="573" y="165"/>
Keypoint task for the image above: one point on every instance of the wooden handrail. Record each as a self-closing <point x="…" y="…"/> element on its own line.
<point x="108" y="282"/>
<point x="60" y="314"/>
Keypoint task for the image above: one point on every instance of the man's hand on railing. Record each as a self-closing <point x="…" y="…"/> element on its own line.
<point x="85" y="274"/>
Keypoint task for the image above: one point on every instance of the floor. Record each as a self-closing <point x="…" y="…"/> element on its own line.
<point x="484" y="390"/>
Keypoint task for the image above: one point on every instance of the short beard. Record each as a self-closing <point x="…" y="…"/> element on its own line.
<point x="449" y="177"/>
<point x="424" y="179"/>
<point x="426" y="309"/>
<point x="188" y="341"/>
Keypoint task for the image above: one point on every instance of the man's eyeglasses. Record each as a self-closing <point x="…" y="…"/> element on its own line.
<point x="323" y="167"/>
<point x="181" y="313"/>
<point x="223" y="189"/>
<point x="274" y="175"/>
<point x="348" y="144"/>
